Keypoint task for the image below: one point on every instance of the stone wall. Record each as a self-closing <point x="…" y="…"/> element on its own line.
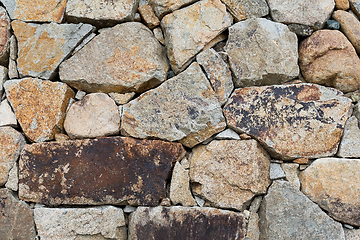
<point x="179" y="119"/>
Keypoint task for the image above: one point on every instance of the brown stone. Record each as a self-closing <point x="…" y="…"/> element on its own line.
<point x="291" y="121"/>
<point x="301" y="160"/>
<point x="39" y="106"/>
<point x="328" y="58"/>
<point x="148" y="16"/>
<point x="342" y="4"/>
<point x="186" y="223"/>
<point x="349" y="25"/>
<point x="4" y="36"/>
<point x="97" y="171"/>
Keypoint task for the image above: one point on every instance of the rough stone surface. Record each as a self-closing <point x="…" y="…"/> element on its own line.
<point x="4" y="36"/>
<point x="186" y="223"/>
<point x="42" y="47"/>
<point x="270" y="58"/>
<point x="350" y="142"/>
<point x="218" y="73"/>
<point x="163" y="7"/>
<point x="3" y="78"/>
<point x="180" y="187"/>
<point x="300" y="30"/>
<point x="105" y="222"/>
<point x="80" y="95"/>
<point x="229" y="173"/>
<point x="276" y="171"/>
<point x="13" y="48"/>
<point x="112" y="63"/>
<point x="121" y="98"/>
<point x="228" y="134"/>
<point x="13" y="178"/>
<point x="313" y="13"/>
<point x="189" y="30"/>
<point x="39" y="106"/>
<point x="179" y="110"/>
<point x="148" y="15"/>
<point x="286" y="213"/>
<point x="350" y="26"/>
<point x="291" y="121"/>
<point x="11" y="144"/>
<point x="243" y="9"/>
<point x="16" y="217"/>
<point x="342" y="4"/>
<point x="159" y="35"/>
<point x="355" y="6"/>
<point x="328" y="58"/>
<point x="253" y="231"/>
<point x="7" y="116"/>
<point x="291" y="172"/>
<point x="13" y="72"/>
<point x="95" y="116"/>
<point x="97" y="171"/>
<point x="255" y="204"/>
<point x="334" y="184"/>
<point x="352" y="234"/>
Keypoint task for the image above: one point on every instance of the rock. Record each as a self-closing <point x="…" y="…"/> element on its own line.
<point x="328" y="58"/>
<point x="101" y="12"/>
<point x="188" y="30"/>
<point x="180" y="187"/>
<point x="244" y="136"/>
<point x="80" y="95"/>
<point x="97" y="171"/>
<point x="253" y="231"/>
<point x="60" y="137"/>
<point x="163" y="7"/>
<point x="16" y="218"/>
<point x="129" y="209"/>
<point x="3" y="78"/>
<point x="165" y="202"/>
<point x="286" y="213"/>
<point x="185" y="163"/>
<point x="334" y="184"/>
<point x="95" y="116"/>
<point x="159" y="35"/>
<point x="84" y="42"/>
<point x="355" y="6"/>
<point x="312" y="13"/>
<point x="137" y="17"/>
<point x="42" y="47"/>
<point x="13" y="178"/>
<point x="255" y="204"/>
<point x="105" y="222"/>
<point x="112" y="63"/>
<point x="354" y="96"/>
<point x="291" y="121"/>
<point x="229" y="173"/>
<point x="243" y="9"/>
<point x="350" y="142"/>
<point x="11" y="144"/>
<point x="39" y="106"/>
<point x="352" y="234"/>
<point x="199" y="201"/>
<point x="300" y="30"/>
<point x="332" y="24"/>
<point x="148" y="15"/>
<point x="4" y="36"/>
<point x="356" y="111"/>
<point x="186" y="223"/>
<point x="303" y="160"/>
<point x="13" y="72"/>
<point x="291" y="172"/>
<point x="349" y="26"/>
<point x="227" y="134"/>
<point x="276" y="171"/>
<point x="121" y="98"/>
<point x="7" y="116"/>
<point x="218" y="74"/>
<point x="342" y="4"/>
<point x="13" y="48"/>
<point x="270" y="59"/>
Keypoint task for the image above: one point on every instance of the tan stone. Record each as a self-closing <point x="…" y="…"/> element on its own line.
<point x="163" y="7"/>
<point x="334" y="184"/>
<point x="13" y="178"/>
<point x="4" y="36"/>
<point x="350" y="143"/>
<point x="188" y="30"/>
<point x="253" y="231"/>
<point x="159" y="35"/>
<point x="229" y="173"/>
<point x="39" y="106"/>
<point x="121" y="98"/>
<point x="342" y="4"/>
<point x="350" y="26"/>
<point x="60" y="137"/>
<point x="3" y="78"/>
<point x="328" y="58"/>
<point x="291" y="172"/>
<point x="148" y="16"/>
<point x="243" y="9"/>
<point x="301" y="160"/>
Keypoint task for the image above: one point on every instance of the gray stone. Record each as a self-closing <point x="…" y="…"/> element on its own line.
<point x="159" y="35"/>
<point x="270" y="58"/>
<point x="163" y="7"/>
<point x="13" y="178"/>
<point x="13" y="48"/>
<point x="255" y="204"/>
<point x="291" y="172"/>
<point x="13" y="71"/>
<point x="129" y="209"/>
<point x="80" y="95"/>
<point x="350" y="142"/>
<point x="352" y="234"/>
<point x="253" y="231"/>
<point x="243" y="9"/>
<point x="332" y="24"/>
<point x="300" y="30"/>
<point x="355" y="7"/>
<point x="227" y="134"/>
<point x="276" y="171"/>
<point x="199" y="201"/>
<point x="7" y="116"/>
<point x="286" y="213"/>
<point x="3" y="78"/>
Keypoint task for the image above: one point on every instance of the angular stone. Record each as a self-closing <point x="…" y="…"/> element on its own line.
<point x="300" y="30"/>
<point x="276" y="171"/>
<point x="4" y="36"/>
<point x="13" y="48"/>
<point x="148" y="15"/>
<point x="121" y="99"/>
<point x="180" y="187"/>
<point x="352" y="234"/>
<point x="270" y="58"/>
<point x="159" y="35"/>
<point x="3" y="78"/>
<point x="286" y="213"/>
<point x="291" y="121"/>
<point x="13" y="72"/>
<point x="13" y="178"/>
<point x="313" y="13"/>
<point x="60" y="137"/>
<point x="186" y="223"/>
<point x="11" y="144"/>
<point x="112" y="63"/>
<point x="95" y="116"/>
<point x="16" y="217"/>
<point x="255" y="204"/>
<point x="101" y="12"/>
<point x="350" y="142"/>
<point x="7" y="116"/>
<point x="304" y="160"/>
<point x="291" y="172"/>
<point x="39" y="106"/>
<point x="228" y="134"/>
<point x="184" y="108"/>
<point x="42" y="47"/>
<point x="189" y="30"/>
<point x="97" y="171"/>
<point x="355" y="6"/>
<point x="104" y="222"/>
<point x="334" y="184"/>
<point x="349" y="25"/>
<point x="229" y="173"/>
<point x="253" y="231"/>
<point x="163" y="7"/>
<point x="328" y="58"/>
<point x="243" y="9"/>
<point x="218" y="73"/>
<point x="342" y="4"/>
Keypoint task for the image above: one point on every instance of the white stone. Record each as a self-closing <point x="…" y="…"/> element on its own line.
<point x="276" y="171"/>
<point x="7" y="116"/>
<point x="227" y="134"/>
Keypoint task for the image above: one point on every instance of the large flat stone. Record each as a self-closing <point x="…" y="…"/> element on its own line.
<point x="111" y="62"/>
<point x="184" y="108"/>
<point x="243" y="9"/>
<point x="97" y="171"/>
<point x="186" y="223"/>
<point x="291" y="121"/>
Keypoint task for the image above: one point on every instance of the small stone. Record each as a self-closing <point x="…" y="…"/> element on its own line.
<point x="95" y="116"/>
<point x="243" y="9"/>
<point x="148" y="15"/>
<point x="80" y="95"/>
<point x="352" y="234"/>
<point x="142" y="2"/>
<point x="159" y="35"/>
<point x="355" y="6"/>
<point x="349" y="25"/>
<point x="121" y="98"/>
<point x="227" y="134"/>
<point x="303" y="167"/>
<point x="348" y="227"/>
<point x="291" y="172"/>
<point x="60" y="137"/>
<point x="163" y="7"/>
<point x="356" y="111"/>
<point x="105" y="222"/>
<point x="129" y="209"/>
<point x="13" y="178"/>
<point x="3" y="78"/>
<point x="332" y="24"/>
<point x="342" y="4"/>
<point x="253" y="231"/>
<point x="244" y="136"/>
<point x="302" y="160"/>
<point x="199" y="201"/>
<point x="7" y="116"/>
<point x="13" y="71"/>
<point x="255" y="204"/>
<point x="165" y="202"/>
<point x="354" y="96"/>
<point x="4" y="36"/>
<point x="137" y="17"/>
<point x="180" y="187"/>
<point x="300" y="30"/>
<point x="276" y="171"/>
<point x="13" y="48"/>
<point x="185" y="163"/>
<point x="350" y="142"/>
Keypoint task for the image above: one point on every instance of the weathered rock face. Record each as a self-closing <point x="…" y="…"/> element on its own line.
<point x="229" y="173"/>
<point x="97" y="171"/>
<point x="16" y="217"/>
<point x="286" y="213"/>
<point x="334" y="184"/>
<point x="243" y="9"/>
<point x="163" y="7"/>
<point x="186" y="223"/>
<point x="349" y="25"/>
<point x="42" y="47"/>
<point x="178" y="110"/>
<point x="350" y="142"/>
<point x="112" y="63"/>
<point x="105" y="222"/>
<point x="189" y="30"/>
<point x="352" y="234"/>
<point x="328" y="58"/>
<point x="95" y="116"/>
<point x="4" y="36"/>
<point x="270" y="58"/>
<point x="7" y="116"/>
<point x="148" y="15"/>
<point x="291" y="121"/>
<point x="39" y="106"/>
<point x="11" y="144"/>
<point x="306" y="12"/>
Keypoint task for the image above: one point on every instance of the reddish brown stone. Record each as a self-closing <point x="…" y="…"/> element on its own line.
<point x="97" y="171"/>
